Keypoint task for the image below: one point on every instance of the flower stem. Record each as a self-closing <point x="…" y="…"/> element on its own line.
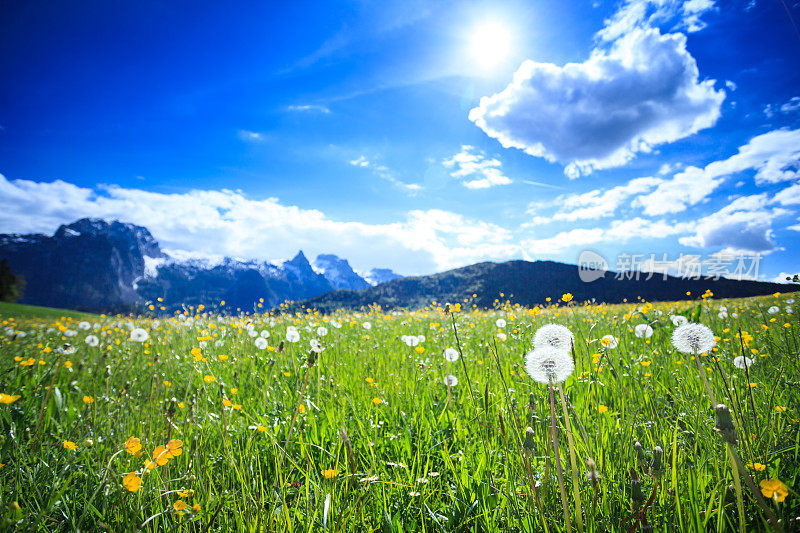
<point x="575" y="487"/>
<point x="559" y="471"/>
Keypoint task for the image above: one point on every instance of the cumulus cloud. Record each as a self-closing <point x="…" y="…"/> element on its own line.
<point x="215" y="223"/>
<point x="744" y="225"/>
<point x="682" y="15"/>
<point x="641" y="92"/>
<point x="788" y="196"/>
<point x="775" y="156"/>
<point x="475" y="169"/>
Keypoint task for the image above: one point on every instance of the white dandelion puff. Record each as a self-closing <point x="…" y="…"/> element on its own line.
<point x="316" y="346"/>
<point x="261" y="343"/>
<point x="549" y="365"/>
<point x="678" y="320"/>
<point x="500" y="323"/>
<point x="693" y="338"/>
<point x="367" y="326"/>
<point x="451" y="355"/>
<point x="410" y="340"/>
<point x="70" y="333"/>
<point x="450" y="380"/>
<point x="722" y="315"/>
<point x="609" y="341"/>
<point x="741" y="362"/>
<point x="92" y="340"/>
<point x="139" y="335"/>
<point x="252" y="333"/>
<point x="553" y="336"/>
<point x="501" y="336"/>
<point x="322" y="331"/>
<point x="292" y="335"/>
<point x="421" y="338"/>
<point x="774" y="309"/>
<point x="643" y="331"/>
<point x="84" y="325"/>
<point x="264" y="334"/>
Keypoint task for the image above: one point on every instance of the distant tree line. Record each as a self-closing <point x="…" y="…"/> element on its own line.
<point x="11" y="285"/>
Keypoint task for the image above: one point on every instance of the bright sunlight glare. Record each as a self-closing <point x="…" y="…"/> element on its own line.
<point x="490" y="44"/>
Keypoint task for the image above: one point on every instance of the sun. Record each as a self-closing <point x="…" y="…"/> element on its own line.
<point x="490" y="44"/>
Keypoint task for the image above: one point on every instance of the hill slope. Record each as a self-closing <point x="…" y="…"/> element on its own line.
<point x="530" y="283"/>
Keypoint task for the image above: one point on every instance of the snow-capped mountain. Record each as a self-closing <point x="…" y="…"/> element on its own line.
<point x="376" y="276"/>
<point x="93" y="264"/>
<point x="339" y="272"/>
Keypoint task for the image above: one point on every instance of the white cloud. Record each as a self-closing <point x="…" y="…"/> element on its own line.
<point x="620" y="231"/>
<point x="788" y="196"/>
<point x="791" y="106"/>
<point x="774" y="155"/>
<point x="250" y="136"/>
<point x="601" y="203"/>
<point x="477" y="171"/>
<point x="641" y="92"/>
<point x="309" y="107"/>
<point x="744" y="225"/>
<point x="633" y="14"/>
<point x="383" y="172"/>
<point x="215" y="223"/>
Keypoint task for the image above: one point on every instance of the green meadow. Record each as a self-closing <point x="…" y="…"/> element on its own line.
<point x="397" y="421"/>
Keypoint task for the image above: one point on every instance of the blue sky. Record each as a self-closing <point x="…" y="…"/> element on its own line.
<point x="413" y="135"/>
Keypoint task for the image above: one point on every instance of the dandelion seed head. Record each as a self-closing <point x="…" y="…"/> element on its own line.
<point x="450" y="380"/>
<point x="92" y="340"/>
<point x="609" y="341"/>
<point x="261" y="343"/>
<point x="549" y="365"/>
<point x="741" y="362"/>
<point x="139" y="335"/>
<point x="693" y="338"/>
<point x="450" y="354"/>
<point x="643" y="331"/>
<point x="500" y="323"/>
<point x="678" y="320"/>
<point x="553" y="336"/>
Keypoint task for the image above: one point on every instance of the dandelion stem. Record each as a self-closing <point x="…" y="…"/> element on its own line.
<point x="573" y="463"/>
<point x="705" y="380"/>
<point x="559" y="471"/>
<point x="737" y="483"/>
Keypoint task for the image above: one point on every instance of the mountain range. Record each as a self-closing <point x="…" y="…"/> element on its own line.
<point x="95" y="265"/>
<point x="530" y="283"/>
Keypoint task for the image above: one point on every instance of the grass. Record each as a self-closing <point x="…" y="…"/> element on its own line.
<point x="34" y="311"/>
<point x="367" y="435"/>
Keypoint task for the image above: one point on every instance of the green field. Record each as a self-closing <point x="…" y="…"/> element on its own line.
<point x="370" y="434"/>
